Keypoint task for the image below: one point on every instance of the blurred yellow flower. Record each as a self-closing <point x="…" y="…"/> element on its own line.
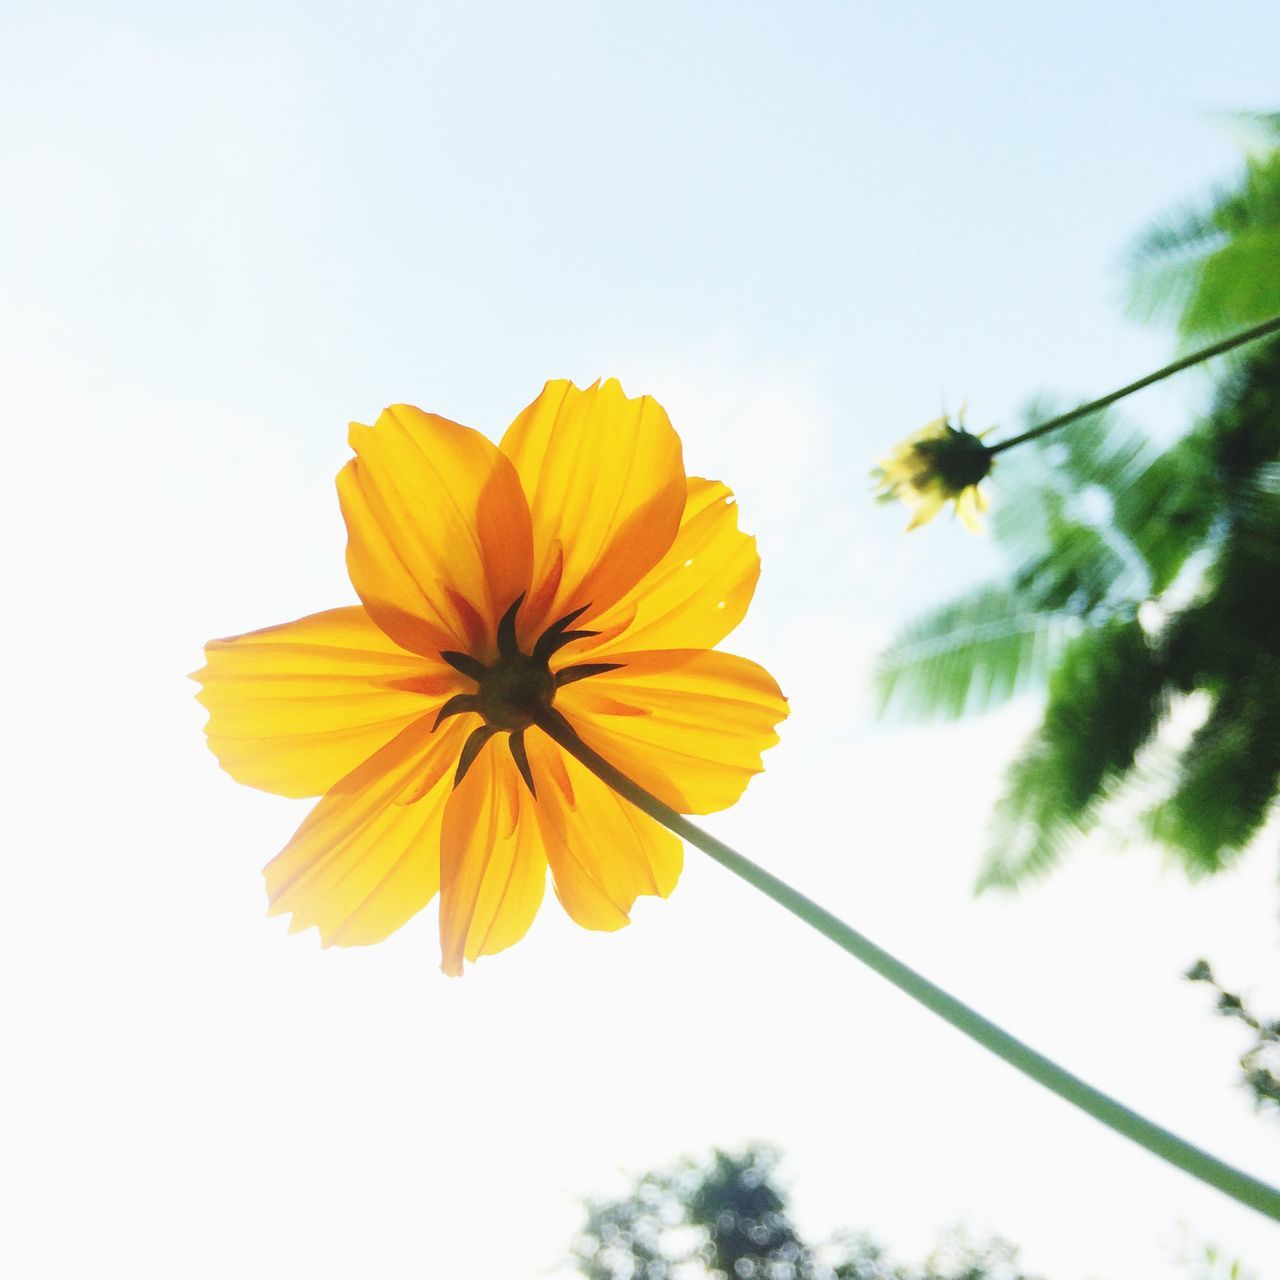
<point x="572" y="572"/>
<point x="937" y="464"/>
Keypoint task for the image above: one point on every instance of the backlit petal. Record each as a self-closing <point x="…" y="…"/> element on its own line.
<point x="606" y="487"/>
<point x="929" y="503"/>
<point x="698" y="592"/>
<point x="361" y="864"/>
<point x="603" y="851"/>
<point x="294" y="708"/>
<point x="971" y="503"/>
<point x="493" y="871"/>
<point x="439" y="540"/>
<point x="689" y="725"/>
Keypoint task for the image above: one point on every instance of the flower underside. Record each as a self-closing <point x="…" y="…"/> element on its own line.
<point x="940" y="463"/>
<point x="518" y="689"/>
<point x="958" y="458"/>
<point x="480" y="567"/>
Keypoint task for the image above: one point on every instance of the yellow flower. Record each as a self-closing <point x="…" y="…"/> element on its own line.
<point x="937" y="464"/>
<point x="572" y="572"/>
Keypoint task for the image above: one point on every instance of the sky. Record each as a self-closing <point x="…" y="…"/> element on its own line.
<point x="805" y="229"/>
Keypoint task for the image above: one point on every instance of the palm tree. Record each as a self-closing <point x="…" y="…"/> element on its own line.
<point x="1140" y="584"/>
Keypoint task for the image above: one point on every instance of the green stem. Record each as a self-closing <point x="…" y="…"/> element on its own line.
<point x="1191" y="1159"/>
<point x="1205" y="353"/>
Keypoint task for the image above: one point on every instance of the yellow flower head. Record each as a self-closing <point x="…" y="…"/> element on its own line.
<point x="573" y="572"/>
<point x="937" y="464"/>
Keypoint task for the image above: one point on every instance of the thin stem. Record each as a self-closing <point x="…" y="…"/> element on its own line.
<point x="1191" y="1159"/>
<point x="1205" y="353"/>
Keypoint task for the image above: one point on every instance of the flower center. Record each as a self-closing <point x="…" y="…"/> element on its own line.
<point x="515" y="691"/>
<point x="957" y="458"/>
<point x="518" y="690"/>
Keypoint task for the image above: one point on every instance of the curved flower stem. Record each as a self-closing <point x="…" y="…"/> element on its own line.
<point x="1205" y="353"/>
<point x="1191" y="1159"/>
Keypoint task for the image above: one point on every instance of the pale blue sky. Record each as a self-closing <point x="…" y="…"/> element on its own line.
<point x="228" y="229"/>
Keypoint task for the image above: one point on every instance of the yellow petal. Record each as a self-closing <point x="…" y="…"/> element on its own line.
<point x="439" y="540"/>
<point x="969" y="508"/>
<point x="905" y="462"/>
<point x="606" y="488"/>
<point x="686" y="724"/>
<point x="931" y="501"/>
<point x="493" y="871"/>
<point x="603" y="851"/>
<point x="699" y="591"/>
<point x="361" y="864"/>
<point x="294" y="708"/>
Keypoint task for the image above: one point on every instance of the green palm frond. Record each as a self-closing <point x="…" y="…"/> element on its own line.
<point x="1167" y="509"/>
<point x="1105" y="699"/>
<point x="1245" y="420"/>
<point x="1054" y="503"/>
<point x="1083" y="569"/>
<point x="1222" y="637"/>
<point x="1257" y="133"/>
<point x="1102" y="450"/>
<point x="1227" y="776"/>
<point x="1236" y="286"/>
<point x="1164" y="264"/>
<point x="1212" y="268"/>
<point x="970" y="655"/>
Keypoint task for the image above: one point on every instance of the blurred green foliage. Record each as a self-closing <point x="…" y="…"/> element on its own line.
<point x="728" y="1218"/>
<point x="1142" y="588"/>
<point x="1212" y="267"/>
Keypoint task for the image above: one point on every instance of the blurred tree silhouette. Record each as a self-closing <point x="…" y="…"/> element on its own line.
<point x="1143" y="589"/>
<point x="727" y="1219"/>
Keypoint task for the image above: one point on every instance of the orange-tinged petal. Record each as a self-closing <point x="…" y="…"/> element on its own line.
<point x="439" y="541"/>
<point x="294" y="708"/>
<point x="699" y="591"/>
<point x="689" y="725"/>
<point x="605" y="481"/>
<point x="493" y="871"/>
<point x="603" y="851"/>
<point x="360" y="864"/>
